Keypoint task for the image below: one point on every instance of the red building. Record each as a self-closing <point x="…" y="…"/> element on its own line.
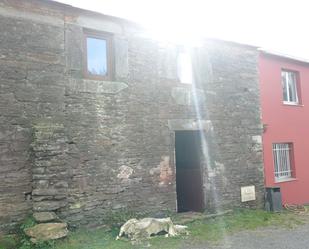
<point x="284" y="85"/>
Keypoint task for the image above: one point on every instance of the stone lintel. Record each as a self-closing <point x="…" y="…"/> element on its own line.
<point x="190" y="124"/>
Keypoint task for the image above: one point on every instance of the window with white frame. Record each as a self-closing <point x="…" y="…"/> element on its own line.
<point x="289" y="86"/>
<point x="282" y="153"/>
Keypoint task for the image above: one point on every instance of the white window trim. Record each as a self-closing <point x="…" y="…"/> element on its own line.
<point x="285" y="180"/>
<point x="282" y="161"/>
<point x="288" y="102"/>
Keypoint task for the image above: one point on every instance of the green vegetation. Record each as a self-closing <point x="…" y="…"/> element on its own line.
<point x="210" y="230"/>
<point x="215" y="229"/>
<point x="21" y="241"/>
<point x="8" y="242"/>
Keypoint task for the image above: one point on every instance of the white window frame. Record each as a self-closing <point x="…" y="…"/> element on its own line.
<point x="286" y="80"/>
<point x="282" y="156"/>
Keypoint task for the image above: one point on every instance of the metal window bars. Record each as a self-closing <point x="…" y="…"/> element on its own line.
<point x="282" y="160"/>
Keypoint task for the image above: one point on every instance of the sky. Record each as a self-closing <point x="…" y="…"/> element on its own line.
<point x="278" y="26"/>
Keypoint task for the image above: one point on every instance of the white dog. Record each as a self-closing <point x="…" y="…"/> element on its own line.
<point x="144" y="228"/>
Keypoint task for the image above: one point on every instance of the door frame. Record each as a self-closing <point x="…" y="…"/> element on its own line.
<point x="193" y="124"/>
<point x="202" y="167"/>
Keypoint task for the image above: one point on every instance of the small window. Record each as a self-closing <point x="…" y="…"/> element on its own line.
<point x="289" y="86"/>
<point x="98" y="56"/>
<point x="283" y="160"/>
<point x="184" y="67"/>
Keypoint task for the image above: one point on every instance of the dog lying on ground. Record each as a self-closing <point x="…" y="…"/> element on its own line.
<point x="143" y="229"/>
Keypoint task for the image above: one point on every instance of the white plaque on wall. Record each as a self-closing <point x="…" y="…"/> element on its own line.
<point x="247" y="193"/>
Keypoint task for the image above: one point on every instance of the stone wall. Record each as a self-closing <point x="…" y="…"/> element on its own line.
<point x="32" y="76"/>
<point x="91" y="147"/>
<point x="232" y="101"/>
<point x="49" y="167"/>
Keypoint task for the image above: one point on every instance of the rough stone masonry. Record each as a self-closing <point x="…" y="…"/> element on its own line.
<point x="84" y="148"/>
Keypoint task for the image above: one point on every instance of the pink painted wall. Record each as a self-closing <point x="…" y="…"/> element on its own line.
<point x="285" y="123"/>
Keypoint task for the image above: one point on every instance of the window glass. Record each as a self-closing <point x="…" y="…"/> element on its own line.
<point x="284" y="87"/>
<point x="292" y="87"/>
<point x="289" y="86"/>
<point x="96" y="56"/>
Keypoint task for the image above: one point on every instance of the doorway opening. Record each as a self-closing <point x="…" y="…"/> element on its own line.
<point x="189" y="173"/>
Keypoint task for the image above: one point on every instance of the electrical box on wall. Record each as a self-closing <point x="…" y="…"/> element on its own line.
<point x="247" y="193"/>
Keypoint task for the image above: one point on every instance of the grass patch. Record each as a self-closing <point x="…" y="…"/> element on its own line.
<point x="8" y="242"/>
<point x="206" y="230"/>
<point x="215" y="229"/>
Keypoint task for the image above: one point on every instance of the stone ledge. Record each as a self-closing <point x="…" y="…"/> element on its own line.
<point x="48" y="205"/>
<point x="45" y="216"/>
<point x="97" y="86"/>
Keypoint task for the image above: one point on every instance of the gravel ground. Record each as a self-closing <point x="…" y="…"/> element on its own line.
<point x="266" y="238"/>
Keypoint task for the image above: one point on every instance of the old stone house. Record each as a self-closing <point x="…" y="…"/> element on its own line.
<point x="85" y="135"/>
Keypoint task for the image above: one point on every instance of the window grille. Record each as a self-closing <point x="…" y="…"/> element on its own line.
<point x="282" y="160"/>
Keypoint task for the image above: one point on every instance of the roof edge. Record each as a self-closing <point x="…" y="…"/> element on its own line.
<point x="235" y="43"/>
<point x="134" y="23"/>
<point x="283" y="56"/>
<point x="97" y="14"/>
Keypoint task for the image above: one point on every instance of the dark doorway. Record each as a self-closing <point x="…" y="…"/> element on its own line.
<point x="189" y="183"/>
